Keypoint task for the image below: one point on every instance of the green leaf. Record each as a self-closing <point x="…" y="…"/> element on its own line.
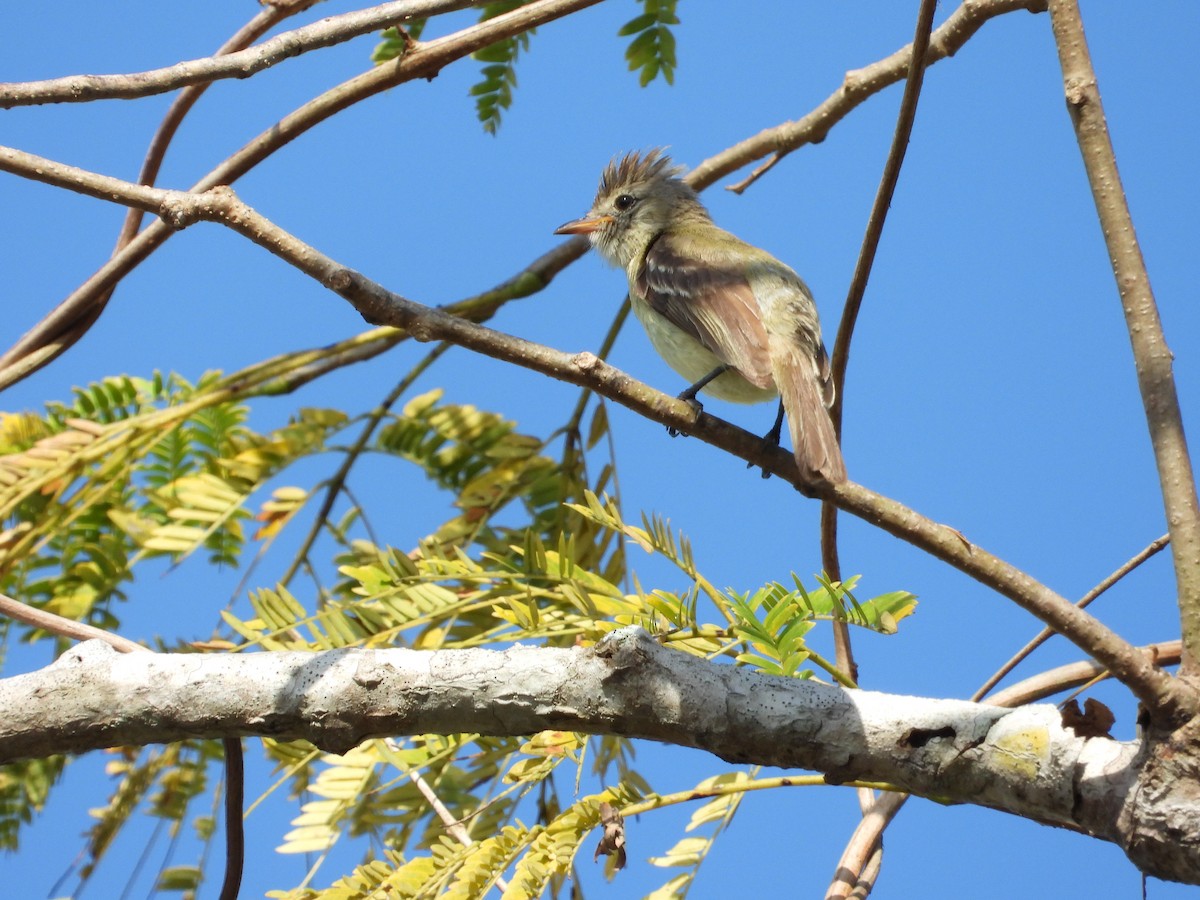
<point x="652" y="50"/>
<point x="179" y="878"/>
<point x="638" y="23"/>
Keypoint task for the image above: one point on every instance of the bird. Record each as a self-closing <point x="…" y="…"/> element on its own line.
<point x="732" y="319"/>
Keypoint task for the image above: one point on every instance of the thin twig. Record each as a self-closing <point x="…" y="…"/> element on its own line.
<point x="264" y="20"/>
<point x="178" y="110"/>
<point x="1072" y="675"/>
<point x="235" y="801"/>
<point x="864" y="847"/>
<point x="41" y="344"/>
<point x="64" y="627"/>
<point x="830" y="558"/>
<point x="425" y="59"/>
<point x="918" y="55"/>
<point x="453" y="826"/>
<point x="239" y="63"/>
<point x="879" y="211"/>
<point x="1152" y="357"/>
<point x="868" y="876"/>
<point x="1046" y="634"/>
<point x="335" y="485"/>
<point x="858" y="85"/>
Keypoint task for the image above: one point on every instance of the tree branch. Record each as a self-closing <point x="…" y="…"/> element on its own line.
<point x="627" y="684"/>
<point x="263" y="21"/>
<point x="858" y="285"/>
<point x="853" y="867"/>
<point x="1152" y="357"/>
<point x="68" y="628"/>
<point x="1158" y="690"/>
<point x="235" y="779"/>
<point x="240" y="64"/>
<point x="45" y="341"/>
<point x="426" y="59"/>
<point x="1020" y="761"/>
<point x="858" y="85"/>
<point x="1154" y="547"/>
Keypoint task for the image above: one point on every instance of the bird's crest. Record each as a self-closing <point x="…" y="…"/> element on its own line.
<point x="635" y="168"/>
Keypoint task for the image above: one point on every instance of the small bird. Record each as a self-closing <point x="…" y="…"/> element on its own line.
<point x="727" y="316"/>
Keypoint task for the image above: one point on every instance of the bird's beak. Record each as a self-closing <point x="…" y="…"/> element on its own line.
<point x="586" y="225"/>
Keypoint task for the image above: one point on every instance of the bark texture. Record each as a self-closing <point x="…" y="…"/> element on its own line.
<point x="1142" y="795"/>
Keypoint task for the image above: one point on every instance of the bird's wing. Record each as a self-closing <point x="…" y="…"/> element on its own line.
<point x="708" y="301"/>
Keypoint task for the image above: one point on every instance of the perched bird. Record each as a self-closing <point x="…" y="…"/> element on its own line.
<point x="727" y="316"/>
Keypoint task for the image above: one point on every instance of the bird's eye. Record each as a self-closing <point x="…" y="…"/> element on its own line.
<point x="624" y="202"/>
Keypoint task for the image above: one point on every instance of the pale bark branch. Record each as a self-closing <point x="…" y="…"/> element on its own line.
<point x="857" y="860"/>
<point x="1152" y="357"/>
<point x="1037" y="687"/>
<point x="628" y="685"/>
<point x="235" y="842"/>
<point x="1019" y="761"/>
<point x="240" y="64"/>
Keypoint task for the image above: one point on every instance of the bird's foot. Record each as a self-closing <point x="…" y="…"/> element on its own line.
<point x="688" y="397"/>
<point x="771" y="438"/>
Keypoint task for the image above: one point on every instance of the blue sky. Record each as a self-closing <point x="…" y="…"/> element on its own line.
<point x="991" y="385"/>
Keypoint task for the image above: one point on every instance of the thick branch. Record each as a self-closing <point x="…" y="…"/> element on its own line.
<point x="242" y="64"/>
<point x="853" y="866"/>
<point x="1020" y="761"/>
<point x="1152" y="357"/>
<point x="626" y="685"/>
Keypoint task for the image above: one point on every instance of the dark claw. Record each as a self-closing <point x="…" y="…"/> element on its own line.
<point x="693" y="403"/>
<point x="689" y="395"/>
<point x="771" y="438"/>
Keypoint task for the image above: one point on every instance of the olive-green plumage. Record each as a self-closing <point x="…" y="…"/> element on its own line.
<point x="708" y="299"/>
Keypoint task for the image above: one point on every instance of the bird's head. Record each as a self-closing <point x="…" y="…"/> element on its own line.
<point x="640" y="196"/>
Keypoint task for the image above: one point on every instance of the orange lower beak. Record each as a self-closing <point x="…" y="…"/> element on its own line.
<point x="586" y="225"/>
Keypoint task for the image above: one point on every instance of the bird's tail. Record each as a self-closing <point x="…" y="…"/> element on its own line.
<point x="813" y="439"/>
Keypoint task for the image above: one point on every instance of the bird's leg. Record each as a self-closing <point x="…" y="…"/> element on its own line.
<point x="689" y="395"/>
<point x="771" y="438"/>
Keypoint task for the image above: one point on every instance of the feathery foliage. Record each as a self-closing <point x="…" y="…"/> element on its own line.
<point x="652" y="52"/>
<point x="137" y="469"/>
<point x="494" y="92"/>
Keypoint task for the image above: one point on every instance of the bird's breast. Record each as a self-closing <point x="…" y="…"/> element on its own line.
<point x="693" y="360"/>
